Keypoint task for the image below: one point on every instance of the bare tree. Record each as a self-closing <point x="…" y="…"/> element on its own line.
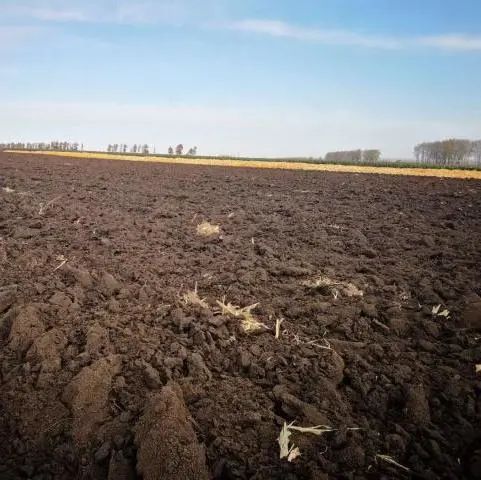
<point x="371" y="156"/>
<point x="349" y="156"/>
<point x="451" y="152"/>
<point x="476" y="152"/>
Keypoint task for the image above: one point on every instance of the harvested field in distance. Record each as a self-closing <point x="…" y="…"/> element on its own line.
<point x="129" y="342"/>
<point x="421" y="172"/>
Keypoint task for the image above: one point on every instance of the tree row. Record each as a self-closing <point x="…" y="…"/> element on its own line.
<point x="449" y="152"/>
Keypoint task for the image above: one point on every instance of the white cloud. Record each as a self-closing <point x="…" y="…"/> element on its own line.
<point x="277" y="28"/>
<point x="329" y="37"/>
<point x="12" y="36"/>
<point x="246" y="130"/>
<point x="183" y="12"/>
<point x="55" y="15"/>
<point x="452" y="42"/>
<point x="139" y="12"/>
<point x="148" y="12"/>
<point x="47" y="11"/>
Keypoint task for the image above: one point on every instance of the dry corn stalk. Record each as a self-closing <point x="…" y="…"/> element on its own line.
<point x="391" y="460"/>
<point x="192" y="298"/>
<point x="44" y="206"/>
<point x="206" y="229"/>
<point x="248" y="321"/>
<point x="333" y="286"/>
<point x="317" y="430"/>
<point x="278" y="326"/>
<point x="62" y="261"/>
<point x="289" y="450"/>
<point x="444" y="313"/>
<point x="286" y="449"/>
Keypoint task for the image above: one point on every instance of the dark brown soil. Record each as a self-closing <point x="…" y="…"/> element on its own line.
<point x="96" y="255"/>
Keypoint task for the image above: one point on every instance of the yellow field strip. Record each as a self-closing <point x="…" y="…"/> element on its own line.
<point x="421" y="172"/>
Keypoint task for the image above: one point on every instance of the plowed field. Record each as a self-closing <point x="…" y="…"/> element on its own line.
<point x="111" y="367"/>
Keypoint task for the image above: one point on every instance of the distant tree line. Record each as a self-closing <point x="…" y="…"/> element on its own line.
<point x="144" y="149"/>
<point x="179" y="150"/>
<point x="449" y="152"/>
<point x="353" y="156"/>
<point x="55" y="145"/>
<point x="124" y="148"/>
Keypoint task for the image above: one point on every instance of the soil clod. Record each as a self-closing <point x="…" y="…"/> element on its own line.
<point x="167" y="444"/>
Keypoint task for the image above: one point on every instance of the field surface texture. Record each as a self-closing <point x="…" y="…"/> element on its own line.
<point x="284" y="165"/>
<point x="122" y="355"/>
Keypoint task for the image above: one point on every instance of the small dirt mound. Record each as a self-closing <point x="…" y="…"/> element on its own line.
<point x="120" y="468"/>
<point x="7" y="297"/>
<point x="81" y="276"/>
<point x="471" y="315"/>
<point x="109" y="285"/>
<point x="46" y="350"/>
<point x="87" y="395"/>
<point x="26" y="327"/>
<point x="97" y="340"/>
<point x="167" y="445"/>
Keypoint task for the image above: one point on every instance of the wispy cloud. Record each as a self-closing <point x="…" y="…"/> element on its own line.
<point x="150" y="12"/>
<point x="47" y="11"/>
<point x="140" y="12"/>
<point x="281" y="29"/>
<point x="55" y="15"/>
<point x="212" y="15"/>
<point x="329" y="37"/>
<point x="452" y="42"/>
<point x="12" y="36"/>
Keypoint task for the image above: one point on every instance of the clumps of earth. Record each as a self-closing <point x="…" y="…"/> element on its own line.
<point x="124" y="352"/>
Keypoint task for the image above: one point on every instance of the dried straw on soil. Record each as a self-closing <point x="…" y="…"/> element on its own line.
<point x="422" y="172"/>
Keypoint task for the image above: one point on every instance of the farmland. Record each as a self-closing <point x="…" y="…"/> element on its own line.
<point x="284" y="164"/>
<point x="240" y="300"/>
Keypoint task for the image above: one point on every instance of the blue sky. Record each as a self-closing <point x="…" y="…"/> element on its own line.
<point x="251" y="77"/>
